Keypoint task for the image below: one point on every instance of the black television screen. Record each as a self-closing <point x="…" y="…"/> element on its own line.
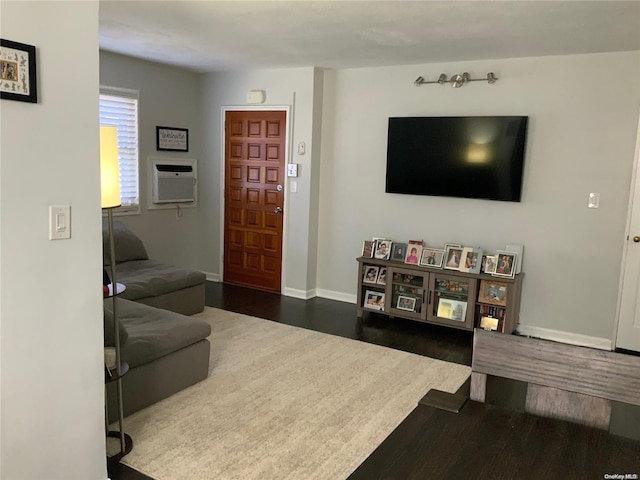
<point x="471" y="157"/>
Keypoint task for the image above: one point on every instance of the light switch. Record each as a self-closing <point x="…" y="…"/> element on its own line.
<point x="292" y="169"/>
<point x="59" y="222"/>
<point x="594" y="200"/>
<point x="302" y="148"/>
<point x="293" y="186"/>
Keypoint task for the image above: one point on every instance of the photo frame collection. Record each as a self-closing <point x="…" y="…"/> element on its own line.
<point x="452" y="257"/>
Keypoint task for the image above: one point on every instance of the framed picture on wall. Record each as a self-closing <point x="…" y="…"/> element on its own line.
<point x="18" y="72"/>
<point x="172" y="139"/>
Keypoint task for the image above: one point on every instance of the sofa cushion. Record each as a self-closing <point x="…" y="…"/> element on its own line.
<point x="109" y="328"/>
<point x="127" y="245"/>
<point x="150" y="278"/>
<point x="154" y="333"/>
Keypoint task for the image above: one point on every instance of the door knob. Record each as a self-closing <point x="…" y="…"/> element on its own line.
<point x="636" y="239"/>
<point x="279" y="210"/>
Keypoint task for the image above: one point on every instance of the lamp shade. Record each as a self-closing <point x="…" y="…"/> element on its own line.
<point x="109" y="167"/>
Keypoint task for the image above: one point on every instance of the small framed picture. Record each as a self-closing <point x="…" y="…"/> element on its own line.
<point x="374" y="300"/>
<point x="453" y="257"/>
<point x="370" y="274"/>
<point x="471" y="260"/>
<point x="432" y="257"/>
<point x="414" y="251"/>
<point x="18" y="71"/>
<point x="383" y="249"/>
<point x="399" y="250"/>
<point x="494" y="293"/>
<point x="172" y="139"/>
<point x="406" y="303"/>
<point x="505" y="264"/>
<point x="382" y="276"/>
<point x="367" y="249"/>
<point x="489" y="323"/>
<point x="452" y="309"/>
<point x="489" y="263"/>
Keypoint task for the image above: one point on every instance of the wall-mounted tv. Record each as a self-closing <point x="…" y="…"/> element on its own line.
<point x="471" y="157"/>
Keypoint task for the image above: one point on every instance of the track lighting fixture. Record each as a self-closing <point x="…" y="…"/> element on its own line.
<point x="457" y="80"/>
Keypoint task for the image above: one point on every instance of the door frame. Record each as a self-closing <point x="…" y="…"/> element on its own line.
<point x="287" y="157"/>
<point x="634" y="186"/>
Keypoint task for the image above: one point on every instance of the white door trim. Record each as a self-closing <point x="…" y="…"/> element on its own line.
<point x="287" y="156"/>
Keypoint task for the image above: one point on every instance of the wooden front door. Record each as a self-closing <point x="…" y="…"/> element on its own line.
<point x="254" y="198"/>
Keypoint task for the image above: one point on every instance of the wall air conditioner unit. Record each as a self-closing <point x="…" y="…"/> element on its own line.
<point x="173" y="183"/>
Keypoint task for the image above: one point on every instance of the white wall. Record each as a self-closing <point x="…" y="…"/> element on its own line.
<point x="295" y="88"/>
<point x="583" y="115"/>
<point x="169" y="96"/>
<point x="52" y="407"/>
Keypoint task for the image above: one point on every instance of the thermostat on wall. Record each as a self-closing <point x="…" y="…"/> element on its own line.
<point x="292" y="170"/>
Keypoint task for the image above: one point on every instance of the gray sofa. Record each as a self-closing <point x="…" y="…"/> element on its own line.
<point x="151" y="282"/>
<point x="166" y="350"/>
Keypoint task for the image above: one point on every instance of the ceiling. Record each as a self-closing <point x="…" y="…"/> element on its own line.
<point x="208" y="36"/>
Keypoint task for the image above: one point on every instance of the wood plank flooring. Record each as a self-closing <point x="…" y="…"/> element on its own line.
<point x="480" y="442"/>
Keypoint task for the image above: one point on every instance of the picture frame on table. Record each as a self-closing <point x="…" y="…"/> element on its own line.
<point x="471" y="261"/>
<point x="452" y="309"/>
<point x="399" y="251"/>
<point x="489" y="323"/>
<point x="406" y="303"/>
<point x="374" y="300"/>
<point x="432" y="257"/>
<point x="18" y="72"/>
<point x="453" y="257"/>
<point x="505" y="264"/>
<point x="172" y="139"/>
<point x="413" y="254"/>
<point x="489" y="263"/>
<point x="367" y="248"/>
<point x="494" y="293"/>
<point x="370" y="274"/>
<point x="382" y="276"/>
<point x="383" y="249"/>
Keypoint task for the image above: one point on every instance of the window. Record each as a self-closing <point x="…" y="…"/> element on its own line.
<point x="119" y="108"/>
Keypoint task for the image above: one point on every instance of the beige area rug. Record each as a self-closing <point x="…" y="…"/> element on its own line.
<point x="282" y="402"/>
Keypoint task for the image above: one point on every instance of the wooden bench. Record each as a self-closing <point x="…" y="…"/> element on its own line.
<point x="579" y="384"/>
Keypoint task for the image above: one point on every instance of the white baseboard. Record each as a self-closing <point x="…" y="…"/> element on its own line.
<point x="566" y="337"/>
<point x="212" y="277"/>
<point x="339" y="296"/>
<point x="295" y="293"/>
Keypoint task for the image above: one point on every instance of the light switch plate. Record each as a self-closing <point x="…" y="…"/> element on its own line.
<point x="292" y="170"/>
<point x="594" y="200"/>
<point x="59" y="222"/>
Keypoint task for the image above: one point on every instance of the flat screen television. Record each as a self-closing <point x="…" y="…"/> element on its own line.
<point x="470" y="157"/>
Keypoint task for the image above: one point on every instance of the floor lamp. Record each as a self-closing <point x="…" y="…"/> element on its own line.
<point x="110" y="190"/>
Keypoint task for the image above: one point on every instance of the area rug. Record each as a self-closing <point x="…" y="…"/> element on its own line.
<point x="282" y="402"/>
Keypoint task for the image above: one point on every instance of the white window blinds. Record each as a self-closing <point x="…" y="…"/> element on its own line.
<point x="119" y="108"/>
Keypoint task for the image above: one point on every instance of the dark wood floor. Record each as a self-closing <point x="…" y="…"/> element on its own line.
<point x="481" y="442"/>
